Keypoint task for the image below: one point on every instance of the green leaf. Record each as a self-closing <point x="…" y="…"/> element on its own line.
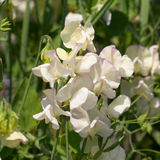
<point x="74" y="141"/>
<point x="144" y="12"/>
<point x="114" y="145"/>
<point x="31" y="107"/>
<point x="118" y="24"/>
<point x="5" y="152"/>
<point x="101" y="12"/>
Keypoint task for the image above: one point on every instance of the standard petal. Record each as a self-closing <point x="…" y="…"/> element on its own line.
<point x="112" y="55"/>
<point x="73" y="17"/>
<point x="84" y="65"/>
<point x="67" y="32"/>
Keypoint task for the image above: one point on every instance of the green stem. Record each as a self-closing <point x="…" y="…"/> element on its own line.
<point x="130" y="154"/>
<point x="81" y="10"/>
<point x="55" y="145"/>
<point x="101" y="12"/>
<point x="64" y="11"/>
<point x="9" y="58"/>
<point x="30" y="78"/>
<point x="24" y="39"/>
<point x="82" y="150"/>
<point x="67" y="141"/>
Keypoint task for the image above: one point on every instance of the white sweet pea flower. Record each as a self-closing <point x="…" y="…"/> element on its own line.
<point x="155" y="55"/>
<point x="53" y="70"/>
<point x="73" y="17"/>
<point x="137" y="86"/>
<point x="83" y="98"/>
<point x="90" y="122"/>
<point x="51" y="110"/>
<point x="142" y="58"/>
<point x="12" y="140"/>
<point x="105" y="77"/>
<point x="123" y="64"/>
<point x="73" y="85"/>
<point x="76" y="37"/>
<point x="92" y="147"/>
<point x="78" y="64"/>
<point x="121" y="104"/>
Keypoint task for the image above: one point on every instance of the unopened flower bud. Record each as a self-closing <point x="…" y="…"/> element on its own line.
<point x="8" y="118"/>
<point x="44" y="58"/>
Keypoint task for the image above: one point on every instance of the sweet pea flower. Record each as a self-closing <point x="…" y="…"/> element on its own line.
<point x="84" y="98"/>
<point x="152" y="106"/>
<point x="73" y="85"/>
<point x="12" y="140"/>
<point x="76" y="37"/>
<point x="90" y="123"/>
<point x="78" y="64"/>
<point x="105" y="77"/>
<point x="92" y="147"/>
<point x="51" y="110"/>
<point x="118" y="106"/>
<point x="145" y="60"/>
<point x="147" y="101"/>
<point x="123" y="64"/>
<point x="53" y="70"/>
<point x="138" y="86"/>
<point x="73" y="17"/>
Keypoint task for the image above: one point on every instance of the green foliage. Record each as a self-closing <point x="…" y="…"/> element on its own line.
<point x="118" y="23"/>
<point x="31" y="107"/>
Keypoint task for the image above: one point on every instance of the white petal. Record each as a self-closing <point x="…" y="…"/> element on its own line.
<point x="127" y="67"/>
<point x="72" y="86"/>
<point x="83" y="98"/>
<point x="112" y="55"/>
<point x="79" y="119"/>
<point x="67" y="32"/>
<point x="89" y="29"/>
<point x="73" y="17"/>
<point x="118" y="106"/>
<point x="13" y="140"/>
<point x="103" y="129"/>
<point x="109" y="71"/>
<point x="84" y="65"/>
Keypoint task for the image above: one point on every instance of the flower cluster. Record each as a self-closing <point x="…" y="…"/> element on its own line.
<point x="84" y="82"/>
<point x="146" y="64"/>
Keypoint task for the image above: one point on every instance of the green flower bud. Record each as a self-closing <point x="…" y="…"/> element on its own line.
<point x="44" y="58"/>
<point x="8" y="118"/>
